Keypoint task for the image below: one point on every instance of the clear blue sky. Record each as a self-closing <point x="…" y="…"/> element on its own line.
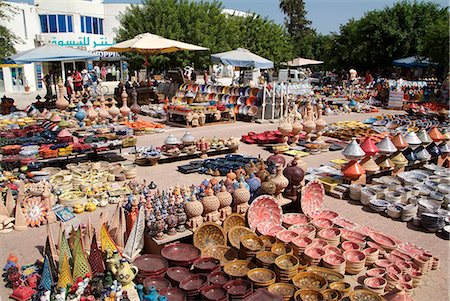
<point x="326" y="15"/>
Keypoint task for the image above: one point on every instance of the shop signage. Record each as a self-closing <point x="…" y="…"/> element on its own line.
<point x="106" y="54"/>
<point x="395" y="99"/>
<point x="82" y="42"/>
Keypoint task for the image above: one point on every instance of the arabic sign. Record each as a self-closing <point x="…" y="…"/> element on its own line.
<point x="82" y="42"/>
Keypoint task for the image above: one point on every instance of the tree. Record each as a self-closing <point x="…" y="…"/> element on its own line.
<point x="7" y="38"/>
<point x="381" y="36"/>
<point x="298" y="26"/>
<point x="201" y="23"/>
<point x="436" y="41"/>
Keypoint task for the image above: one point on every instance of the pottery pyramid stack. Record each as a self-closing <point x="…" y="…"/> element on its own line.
<point x="353" y="152"/>
<point x="386" y="148"/>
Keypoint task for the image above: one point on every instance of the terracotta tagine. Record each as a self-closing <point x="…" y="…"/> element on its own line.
<point x="369" y="147"/>
<point x="281" y="182"/>
<point x="225" y="199"/>
<point x="424" y="137"/>
<point x="386" y="146"/>
<point x="353" y="170"/>
<point x="369" y="165"/>
<point x="399" y="142"/>
<point x="295" y="175"/>
<point x="436" y="135"/>
<point x="211" y="205"/>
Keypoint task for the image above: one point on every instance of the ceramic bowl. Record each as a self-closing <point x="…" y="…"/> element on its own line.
<point x="286" y="236"/>
<point x="333" y="259"/>
<point x="237" y="268"/>
<point x="322" y="223"/>
<point x="354" y="256"/>
<point x="286" y="290"/>
<point x="314" y="253"/>
<point x="350" y="245"/>
<point x="193" y="282"/>
<point x="173" y="294"/>
<point x="205" y="265"/>
<point x="177" y="274"/>
<point x="302" y="242"/>
<point x="376" y="272"/>
<point x="306" y="294"/>
<point x="290" y="219"/>
<point x="214" y="292"/>
<point x="262" y="277"/>
<point x="218" y="277"/>
<point x="180" y="254"/>
<point x="158" y="282"/>
<point x="309" y="280"/>
<point x="332" y="250"/>
<point x="341" y="286"/>
<point x="375" y="283"/>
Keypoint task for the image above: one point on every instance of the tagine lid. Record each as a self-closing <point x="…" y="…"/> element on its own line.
<point x="369" y="147"/>
<point x="386" y="146"/>
<point x="353" y="170"/>
<point x="370" y="165"/>
<point x="171" y="140"/>
<point x="424" y="137"/>
<point x="436" y="135"/>
<point x="353" y="151"/>
<point x="412" y="139"/>
<point x="399" y="141"/>
<point x="188" y="138"/>
<point x="399" y="159"/>
<point x="386" y="163"/>
<point x="444" y="148"/>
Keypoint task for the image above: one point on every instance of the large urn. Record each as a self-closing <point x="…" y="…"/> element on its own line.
<point x="295" y="175"/>
<point x="62" y="103"/>
<point x="281" y="182"/>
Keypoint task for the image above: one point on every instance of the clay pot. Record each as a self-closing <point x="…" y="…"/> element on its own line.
<point x="124" y="110"/>
<point x="353" y="170"/>
<point x="285" y="127"/>
<point x="62" y="102"/>
<point x="436" y="135"/>
<point x="280" y="181"/>
<point x="113" y="110"/>
<point x="275" y="159"/>
<point x="399" y="142"/>
<point x="268" y="187"/>
<point x="210" y="202"/>
<point x="193" y="208"/>
<point x="294" y="173"/>
<point x="262" y="173"/>
<point x="241" y="195"/>
<point x="369" y="147"/>
<point x="225" y="198"/>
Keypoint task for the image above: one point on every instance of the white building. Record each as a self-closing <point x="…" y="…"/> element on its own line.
<point x="85" y="24"/>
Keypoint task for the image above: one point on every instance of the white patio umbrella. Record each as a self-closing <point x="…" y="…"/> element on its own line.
<point x="151" y="44"/>
<point x="302" y="62"/>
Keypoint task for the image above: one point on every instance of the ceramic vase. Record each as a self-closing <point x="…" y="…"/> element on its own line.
<point x="61" y="103"/>
<point x="124" y="110"/>
<point x="281" y="182"/>
<point x="295" y="176"/>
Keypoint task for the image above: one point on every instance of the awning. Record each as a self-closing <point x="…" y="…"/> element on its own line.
<point x="302" y="62"/>
<point x="413" y="61"/>
<point x="52" y="53"/>
<point x="241" y="58"/>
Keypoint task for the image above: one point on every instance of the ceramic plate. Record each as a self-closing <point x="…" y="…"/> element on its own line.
<point x="313" y="197"/>
<point x="264" y="208"/>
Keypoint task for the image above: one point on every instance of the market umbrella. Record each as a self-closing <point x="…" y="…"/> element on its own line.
<point x="151" y="44"/>
<point x="413" y="61"/>
<point x="303" y="62"/>
<point x="241" y="58"/>
<point x="52" y="53"/>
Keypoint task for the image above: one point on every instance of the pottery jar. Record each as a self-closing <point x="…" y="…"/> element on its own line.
<point x="210" y="202"/>
<point x="254" y="183"/>
<point x="294" y="173"/>
<point x="285" y="127"/>
<point x="280" y="181"/>
<point x="275" y="159"/>
<point x="62" y="102"/>
<point x="268" y="187"/>
<point x="225" y="198"/>
<point x="193" y="208"/>
<point x="241" y="195"/>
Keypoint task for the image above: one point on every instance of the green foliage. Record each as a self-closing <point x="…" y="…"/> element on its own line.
<point x="7" y="38"/>
<point x="405" y="29"/>
<point x="436" y="41"/>
<point x="201" y="23"/>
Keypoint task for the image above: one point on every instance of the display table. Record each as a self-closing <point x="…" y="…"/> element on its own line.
<point x="181" y="118"/>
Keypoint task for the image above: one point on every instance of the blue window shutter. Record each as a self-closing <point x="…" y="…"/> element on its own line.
<point x="82" y="23"/>
<point x="62" y="23"/>
<point x="95" y="23"/>
<point x="69" y="24"/>
<point x="44" y="25"/>
<point x="100" y="25"/>
<point x="52" y="23"/>
<point x="88" y="24"/>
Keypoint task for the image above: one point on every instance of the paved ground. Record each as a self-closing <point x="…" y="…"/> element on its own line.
<point x="28" y="244"/>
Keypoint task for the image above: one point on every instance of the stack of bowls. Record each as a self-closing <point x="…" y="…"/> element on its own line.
<point x="417" y="278"/>
<point x="192" y="286"/>
<point x="355" y="262"/>
<point x="300" y="243"/>
<point x="250" y="245"/>
<point x="409" y="211"/>
<point x="376" y="272"/>
<point x="350" y="246"/>
<point x="394" y="210"/>
<point x="217" y="277"/>
<point x="432" y="222"/>
<point x="371" y="255"/>
<point x="426" y="206"/>
<point x="309" y="281"/>
<point x="238" y="289"/>
<point x="286" y="290"/>
<point x="265" y="259"/>
<point x="150" y="265"/>
<point x="367" y="195"/>
<point x="322" y="223"/>
<point x="375" y="284"/>
<point x="378" y="205"/>
<point x="334" y="262"/>
<point x="177" y="274"/>
<point x="436" y="263"/>
<point x="286" y="267"/>
<point x="205" y="265"/>
<point x="313" y="255"/>
<point x="304" y="230"/>
<point x="331" y="236"/>
<point x="355" y="192"/>
<point x="214" y="292"/>
<point x="262" y="277"/>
